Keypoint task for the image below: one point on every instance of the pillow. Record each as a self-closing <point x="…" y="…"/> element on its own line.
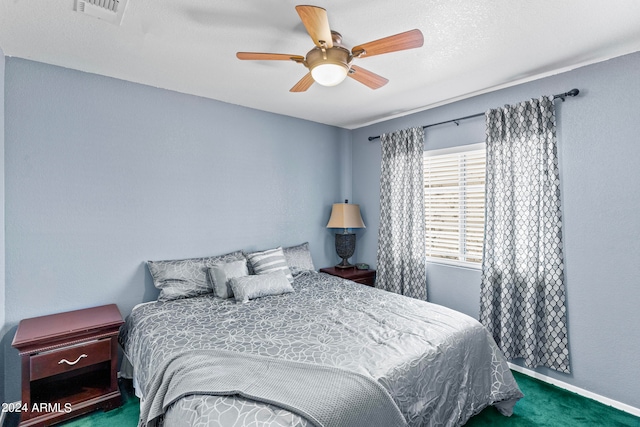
<point x="299" y="258"/>
<point x="187" y="277"/>
<point x="220" y="274"/>
<point x="260" y="285"/>
<point x="269" y="261"/>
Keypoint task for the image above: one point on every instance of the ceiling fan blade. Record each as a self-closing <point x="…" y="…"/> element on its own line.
<point x="304" y="84"/>
<point x="367" y="78"/>
<point x="317" y="24"/>
<point x="269" y="56"/>
<point x="407" y="40"/>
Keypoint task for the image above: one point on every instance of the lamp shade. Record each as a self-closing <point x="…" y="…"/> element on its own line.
<point x="345" y="215"/>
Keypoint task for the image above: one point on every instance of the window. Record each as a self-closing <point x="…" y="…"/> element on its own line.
<point x="454" y="204"/>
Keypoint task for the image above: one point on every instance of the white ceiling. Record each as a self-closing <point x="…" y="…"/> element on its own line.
<point x="471" y="47"/>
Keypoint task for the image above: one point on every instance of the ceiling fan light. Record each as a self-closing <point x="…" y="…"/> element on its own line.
<point x="328" y="74"/>
<point x="328" y="67"/>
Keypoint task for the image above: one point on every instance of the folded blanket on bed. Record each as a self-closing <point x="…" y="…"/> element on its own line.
<point x="326" y="396"/>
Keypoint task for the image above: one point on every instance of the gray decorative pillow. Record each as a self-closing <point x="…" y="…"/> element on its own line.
<point x="186" y="278"/>
<point x="299" y="258"/>
<point x="260" y="285"/>
<point x="221" y="274"/>
<point x="269" y="261"/>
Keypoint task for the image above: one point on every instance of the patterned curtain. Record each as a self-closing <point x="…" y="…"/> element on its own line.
<point x="401" y="245"/>
<point x="522" y="297"/>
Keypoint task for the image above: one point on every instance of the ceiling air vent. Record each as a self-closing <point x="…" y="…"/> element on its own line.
<point x="107" y="10"/>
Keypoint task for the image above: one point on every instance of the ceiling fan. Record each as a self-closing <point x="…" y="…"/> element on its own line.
<point x="329" y="62"/>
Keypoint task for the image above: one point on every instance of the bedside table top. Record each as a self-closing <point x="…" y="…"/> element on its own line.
<point x="348" y="273"/>
<point x="45" y="329"/>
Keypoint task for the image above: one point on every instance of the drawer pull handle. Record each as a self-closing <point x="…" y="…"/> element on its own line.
<point x="72" y="363"/>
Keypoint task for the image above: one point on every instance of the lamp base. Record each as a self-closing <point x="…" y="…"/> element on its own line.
<point x="345" y="247"/>
<point x="345" y="264"/>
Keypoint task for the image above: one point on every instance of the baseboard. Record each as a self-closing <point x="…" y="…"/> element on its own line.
<point x="577" y="390"/>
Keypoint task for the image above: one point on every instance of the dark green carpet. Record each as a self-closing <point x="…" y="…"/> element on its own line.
<point x="547" y="405"/>
<point x="543" y="405"/>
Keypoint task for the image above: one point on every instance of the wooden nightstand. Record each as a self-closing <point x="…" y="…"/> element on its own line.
<point x="366" y="277"/>
<point x="69" y="364"/>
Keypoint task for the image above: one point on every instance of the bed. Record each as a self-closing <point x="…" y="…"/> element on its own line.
<point x="435" y="366"/>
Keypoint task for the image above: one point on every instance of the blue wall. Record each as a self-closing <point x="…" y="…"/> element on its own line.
<point x="599" y="150"/>
<point x="103" y="174"/>
<point x="2" y="250"/>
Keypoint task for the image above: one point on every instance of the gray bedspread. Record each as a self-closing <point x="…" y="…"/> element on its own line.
<point x="440" y="367"/>
<point x="326" y="396"/>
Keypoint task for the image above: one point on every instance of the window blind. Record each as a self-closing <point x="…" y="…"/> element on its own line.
<point x="454" y="204"/>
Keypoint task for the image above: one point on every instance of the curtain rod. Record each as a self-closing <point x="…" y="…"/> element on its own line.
<point x="572" y="92"/>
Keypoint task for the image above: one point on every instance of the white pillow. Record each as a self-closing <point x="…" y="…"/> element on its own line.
<point x="221" y="274"/>
<point x="260" y="285"/>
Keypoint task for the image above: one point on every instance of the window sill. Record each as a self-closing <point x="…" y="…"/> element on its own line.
<point x="453" y="263"/>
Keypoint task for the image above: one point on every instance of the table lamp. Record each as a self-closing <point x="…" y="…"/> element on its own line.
<point x="345" y="216"/>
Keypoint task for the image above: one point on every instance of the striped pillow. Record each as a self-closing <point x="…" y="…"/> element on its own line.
<point x="269" y="261"/>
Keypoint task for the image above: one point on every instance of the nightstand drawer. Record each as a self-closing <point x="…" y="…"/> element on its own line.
<point x="70" y="358"/>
